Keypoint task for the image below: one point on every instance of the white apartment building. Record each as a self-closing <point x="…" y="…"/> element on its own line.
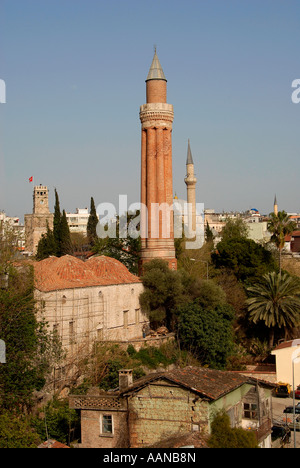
<point x="12" y="223"/>
<point x="78" y="221"/>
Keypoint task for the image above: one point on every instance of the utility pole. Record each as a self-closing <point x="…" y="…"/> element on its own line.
<point x="295" y="359"/>
<point x="2" y="352"/>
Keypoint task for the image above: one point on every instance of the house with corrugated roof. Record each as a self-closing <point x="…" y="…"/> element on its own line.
<point x="85" y="301"/>
<point x="174" y="407"/>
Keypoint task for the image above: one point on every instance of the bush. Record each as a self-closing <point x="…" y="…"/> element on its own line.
<point x="57" y="421"/>
<point x="244" y="257"/>
<point x="208" y="333"/>
<point x="152" y="357"/>
<point x="15" y="432"/>
<point x="224" y="436"/>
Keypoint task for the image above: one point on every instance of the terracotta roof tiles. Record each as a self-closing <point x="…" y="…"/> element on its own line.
<point x="67" y="272"/>
<point x="209" y="383"/>
<point x="52" y="444"/>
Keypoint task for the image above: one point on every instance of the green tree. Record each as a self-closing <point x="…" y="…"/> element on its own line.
<point x="27" y="362"/>
<point x="244" y="257"/>
<point x="235" y="228"/>
<point x="16" y="432"/>
<point x="92" y="224"/>
<point x="65" y="244"/>
<point x="224" y="436"/>
<point x="125" y="249"/>
<point x="209" y="236"/>
<point x="47" y="245"/>
<point x="280" y="226"/>
<point x="57" y="242"/>
<point x="162" y="294"/>
<point x="57" y="421"/>
<point x="275" y="301"/>
<point x="206" y="331"/>
<point x="57" y="221"/>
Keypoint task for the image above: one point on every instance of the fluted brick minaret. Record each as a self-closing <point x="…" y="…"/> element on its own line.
<point x="156" y="170"/>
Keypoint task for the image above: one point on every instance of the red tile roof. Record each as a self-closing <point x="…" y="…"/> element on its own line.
<point x="52" y="444"/>
<point x="193" y="439"/>
<point x="70" y="272"/>
<point x="210" y="383"/>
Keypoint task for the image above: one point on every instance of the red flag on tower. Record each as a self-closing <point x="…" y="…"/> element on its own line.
<point x="31" y="179"/>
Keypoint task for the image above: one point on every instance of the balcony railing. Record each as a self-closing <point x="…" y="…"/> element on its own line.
<point x="263" y="430"/>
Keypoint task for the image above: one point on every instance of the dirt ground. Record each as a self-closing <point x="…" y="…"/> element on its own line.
<point x="291" y="264"/>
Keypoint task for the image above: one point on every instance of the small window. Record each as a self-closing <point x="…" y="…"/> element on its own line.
<point x="250" y="411"/>
<point x="106" y="424"/>
<point x="137" y="315"/>
<point x="125" y="318"/>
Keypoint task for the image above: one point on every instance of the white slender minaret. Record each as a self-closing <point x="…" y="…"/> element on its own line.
<point x="190" y="181"/>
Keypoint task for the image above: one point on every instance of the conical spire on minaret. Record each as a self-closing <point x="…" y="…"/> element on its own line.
<point x="275" y="206"/>
<point x="189" y="159"/>
<point x="156" y="72"/>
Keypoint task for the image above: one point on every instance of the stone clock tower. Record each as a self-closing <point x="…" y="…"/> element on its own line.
<point x="157" y="225"/>
<point x="36" y="223"/>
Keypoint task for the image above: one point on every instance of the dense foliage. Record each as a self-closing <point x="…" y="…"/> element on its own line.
<point x="224" y="436"/>
<point x="244" y="257"/>
<point x="103" y="367"/>
<point x="24" y="370"/>
<point x="17" y="432"/>
<point x="197" y="310"/>
<point x="275" y="300"/>
<point x="207" y="332"/>
<point x="30" y="348"/>
<point x="57" y="421"/>
<point x="163" y="292"/>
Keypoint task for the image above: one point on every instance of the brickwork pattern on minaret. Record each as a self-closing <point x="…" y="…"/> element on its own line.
<point x="156" y="118"/>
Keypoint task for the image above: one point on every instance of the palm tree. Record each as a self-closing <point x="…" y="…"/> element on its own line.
<point x="280" y="225"/>
<point x="276" y="301"/>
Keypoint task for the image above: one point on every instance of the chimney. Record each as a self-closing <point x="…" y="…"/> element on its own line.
<point x="125" y="379"/>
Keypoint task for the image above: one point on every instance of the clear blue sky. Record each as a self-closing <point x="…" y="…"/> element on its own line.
<point x="75" y="74"/>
